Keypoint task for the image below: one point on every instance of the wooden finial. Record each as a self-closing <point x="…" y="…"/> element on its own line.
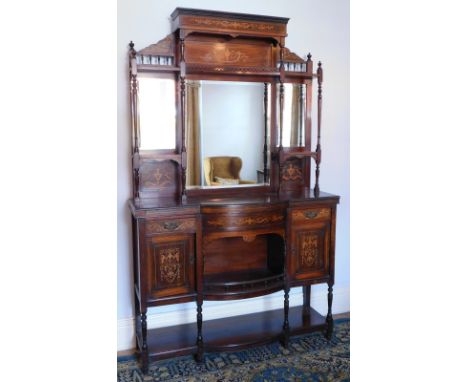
<point x="320" y="73"/>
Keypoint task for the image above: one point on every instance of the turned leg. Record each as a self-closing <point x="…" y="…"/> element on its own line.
<point x="144" y="345"/>
<point x="329" y="314"/>
<point x="286" y="318"/>
<point x="199" y="356"/>
<point x="306" y="300"/>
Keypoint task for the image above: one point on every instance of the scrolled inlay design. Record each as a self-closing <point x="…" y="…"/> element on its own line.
<point x="245" y="220"/>
<point x="170" y="265"/>
<point x="237" y="25"/>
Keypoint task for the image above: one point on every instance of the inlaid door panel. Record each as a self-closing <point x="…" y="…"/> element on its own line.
<point x="170" y="265"/>
<point x="311" y="248"/>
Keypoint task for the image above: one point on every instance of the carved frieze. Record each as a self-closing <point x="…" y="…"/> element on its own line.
<point x="233" y="24"/>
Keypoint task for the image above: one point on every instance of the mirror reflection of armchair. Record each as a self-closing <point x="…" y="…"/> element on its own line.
<point x="220" y="171"/>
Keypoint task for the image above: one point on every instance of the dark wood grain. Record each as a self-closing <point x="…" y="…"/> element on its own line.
<point x="229" y="243"/>
<point x="232" y="333"/>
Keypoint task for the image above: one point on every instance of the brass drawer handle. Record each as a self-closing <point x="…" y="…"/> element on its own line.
<point x="311" y="214"/>
<point x="170" y="226"/>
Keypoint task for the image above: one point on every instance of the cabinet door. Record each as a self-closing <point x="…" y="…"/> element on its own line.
<point x="311" y="249"/>
<point x="170" y="265"/>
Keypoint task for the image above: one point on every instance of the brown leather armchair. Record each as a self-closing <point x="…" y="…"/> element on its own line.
<point x="221" y="171"/>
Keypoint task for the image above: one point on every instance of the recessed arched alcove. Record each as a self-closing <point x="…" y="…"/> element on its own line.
<point x="243" y="266"/>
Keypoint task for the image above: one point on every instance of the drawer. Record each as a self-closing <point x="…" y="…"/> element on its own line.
<point x="227" y="222"/>
<point x="170" y="225"/>
<point x="308" y="215"/>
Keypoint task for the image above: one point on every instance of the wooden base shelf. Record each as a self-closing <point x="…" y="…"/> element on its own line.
<point x="232" y="333"/>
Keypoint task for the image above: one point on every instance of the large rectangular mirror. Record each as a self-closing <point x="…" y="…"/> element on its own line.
<point x="157" y="112"/>
<point x="293" y="115"/>
<point x="227" y="128"/>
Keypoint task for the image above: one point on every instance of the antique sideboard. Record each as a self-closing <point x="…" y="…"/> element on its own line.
<point x="197" y="240"/>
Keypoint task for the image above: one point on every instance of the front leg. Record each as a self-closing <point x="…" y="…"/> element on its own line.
<point x="200" y="350"/>
<point x="144" y="345"/>
<point x="329" y="314"/>
<point x="286" y="318"/>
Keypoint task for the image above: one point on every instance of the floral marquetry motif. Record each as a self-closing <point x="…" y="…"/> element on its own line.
<point x="170" y="265"/>
<point x="310" y="252"/>
<point x="291" y="172"/>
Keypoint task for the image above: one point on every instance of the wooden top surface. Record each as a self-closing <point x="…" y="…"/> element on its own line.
<point x="291" y="199"/>
<point x="228" y="15"/>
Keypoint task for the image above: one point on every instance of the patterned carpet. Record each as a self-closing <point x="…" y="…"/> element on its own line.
<point x="309" y="358"/>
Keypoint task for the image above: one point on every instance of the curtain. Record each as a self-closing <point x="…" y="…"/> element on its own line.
<point x="192" y="133"/>
<point x="296" y="138"/>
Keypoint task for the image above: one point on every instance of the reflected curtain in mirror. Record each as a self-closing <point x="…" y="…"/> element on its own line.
<point x="297" y="116"/>
<point x="293" y="115"/>
<point x="193" y="133"/>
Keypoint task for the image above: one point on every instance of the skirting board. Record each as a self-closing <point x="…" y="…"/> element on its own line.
<point x="213" y="310"/>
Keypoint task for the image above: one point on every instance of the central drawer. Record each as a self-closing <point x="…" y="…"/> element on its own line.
<point x="241" y="218"/>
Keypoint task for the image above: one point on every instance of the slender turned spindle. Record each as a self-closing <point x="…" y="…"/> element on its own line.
<point x="286" y="299"/>
<point x="281" y="105"/>
<point x="329" y="314"/>
<point x="319" y="120"/>
<point x="144" y="346"/>
<point x="134" y="117"/>
<point x="301" y="115"/>
<point x="286" y="317"/>
<point x="199" y="355"/>
<point x="306" y="300"/>
<point x="265" y="141"/>
<point x="184" y="149"/>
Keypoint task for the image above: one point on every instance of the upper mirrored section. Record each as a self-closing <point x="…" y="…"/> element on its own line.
<point x="226" y="129"/>
<point x="157" y="112"/>
<point x="293" y="115"/>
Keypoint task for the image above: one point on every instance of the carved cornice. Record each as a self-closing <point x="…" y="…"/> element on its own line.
<point x="292" y="57"/>
<point x="164" y="47"/>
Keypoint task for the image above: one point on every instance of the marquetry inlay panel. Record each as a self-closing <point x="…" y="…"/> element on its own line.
<point x="292" y="171"/>
<point x="171" y="265"/>
<point x="310" y="252"/>
<point x="231" y="25"/>
<point x="250" y="220"/>
<point x="228" y="54"/>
